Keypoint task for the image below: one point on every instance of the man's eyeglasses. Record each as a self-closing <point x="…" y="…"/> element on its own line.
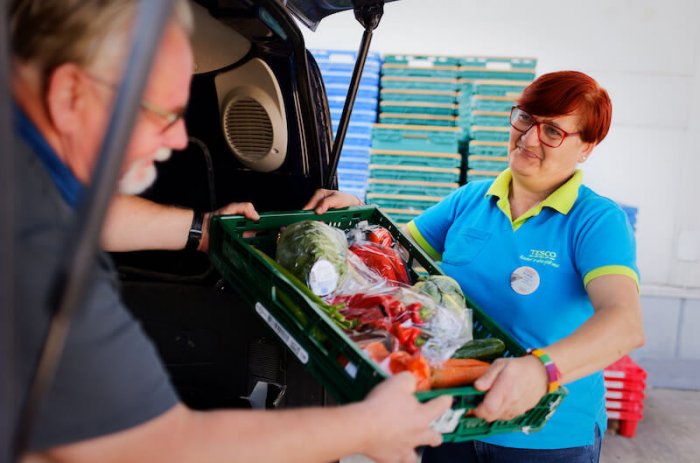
<point x="548" y="134"/>
<point x="167" y="119"/>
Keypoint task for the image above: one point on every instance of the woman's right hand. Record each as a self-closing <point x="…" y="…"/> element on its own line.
<point x="513" y="385"/>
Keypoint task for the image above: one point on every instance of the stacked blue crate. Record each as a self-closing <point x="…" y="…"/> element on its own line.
<point x="336" y="68"/>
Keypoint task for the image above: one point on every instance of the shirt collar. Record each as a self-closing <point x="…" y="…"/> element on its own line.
<point x="70" y="188"/>
<point x="561" y="200"/>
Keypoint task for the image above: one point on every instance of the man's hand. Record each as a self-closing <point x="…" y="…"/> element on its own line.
<point x="400" y="422"/>
<point x="247" y="210"/>
<point x="322" y="200"/>
<point x="514" y="386"/>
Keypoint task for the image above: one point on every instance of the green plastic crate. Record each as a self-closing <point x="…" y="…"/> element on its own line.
<point x="470" y="72"/>
<point x="474" y="174"/>
<point x="416" y="173"/>
<point x="420" y="66"/>
<point x="407" y="187"/>
<point x="418" y="83"/>
<point x="415" y="138"/>
<point x="492" y="118"/>
<point x="425" y="96"/>
<point x="417" y="107"/>
<point x="326" y="351"/>
<point x="487" y="133"/>
<point x="402" y="70"/>
<point x="417" y="119"/>
<point x="415" y="158"/>
<point x="422" y="60"/>
<point x="479" y="163"/>
<point x="488" y="148"/>
<point x="493" y="102"/>
<point x="401" y="216"/>
<point x="499" y="62"/>
<point x="401" y="201"/>
<point x="498" y="87"/>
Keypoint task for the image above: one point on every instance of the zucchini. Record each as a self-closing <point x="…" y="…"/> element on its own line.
<point x="481" y="349"/>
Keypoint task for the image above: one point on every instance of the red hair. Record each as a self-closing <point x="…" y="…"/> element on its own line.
<point x="566" y="92"/>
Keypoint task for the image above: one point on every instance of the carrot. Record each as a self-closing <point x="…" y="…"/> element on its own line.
<point x="417" y="364"/>
<point x="456" y="374"/>
<point x="377" y="351"/>
<point x="464" y="363"/>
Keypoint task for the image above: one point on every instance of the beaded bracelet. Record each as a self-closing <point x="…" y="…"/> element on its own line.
<point x="553" y="374"/>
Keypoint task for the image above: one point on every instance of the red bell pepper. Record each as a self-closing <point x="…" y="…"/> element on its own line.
<point x="381" y="236"/>
<point x="383" y="260"/>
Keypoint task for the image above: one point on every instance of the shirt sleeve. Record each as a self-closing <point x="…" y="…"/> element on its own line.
<point x="430" y="228"/>
<point x="605" y="244"/>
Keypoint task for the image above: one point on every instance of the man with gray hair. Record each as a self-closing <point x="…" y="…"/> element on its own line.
<point x="111" y="399"/>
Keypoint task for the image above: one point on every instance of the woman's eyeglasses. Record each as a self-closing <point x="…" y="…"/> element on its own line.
<point x="548" y="134"/>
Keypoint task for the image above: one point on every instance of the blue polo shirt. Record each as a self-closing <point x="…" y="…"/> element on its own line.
<point x="530" y="276"/>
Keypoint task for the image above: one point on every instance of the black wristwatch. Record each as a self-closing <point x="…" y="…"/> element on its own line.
<point x="194" y="237"/>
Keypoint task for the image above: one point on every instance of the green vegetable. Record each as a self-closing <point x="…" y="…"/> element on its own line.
<point x="444" y="290"/>
<point x="332" y="310"/>
<point x="481" y="349"/>
<point x="315" y="253"/>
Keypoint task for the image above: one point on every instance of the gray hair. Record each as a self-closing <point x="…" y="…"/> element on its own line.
<point x="49" y="33"/>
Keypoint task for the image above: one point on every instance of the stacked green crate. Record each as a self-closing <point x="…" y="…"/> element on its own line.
<point x="489" y="87"/>
<point x="415" y="160"/>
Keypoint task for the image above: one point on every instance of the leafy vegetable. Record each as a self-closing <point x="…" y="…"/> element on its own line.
<point x="444" y="290"/>
<point x="315" y="253"/>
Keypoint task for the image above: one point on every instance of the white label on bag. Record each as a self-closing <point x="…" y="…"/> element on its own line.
<point x="323" y="278"/>
<point x="448" y="421"/>
<point x="284" y="335"/>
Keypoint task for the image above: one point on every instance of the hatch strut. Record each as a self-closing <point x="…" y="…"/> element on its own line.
<point x="7" y="259"/>
<point x="368" y="13"/>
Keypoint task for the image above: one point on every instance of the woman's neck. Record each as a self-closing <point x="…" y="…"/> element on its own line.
<point x="523" y="196"/>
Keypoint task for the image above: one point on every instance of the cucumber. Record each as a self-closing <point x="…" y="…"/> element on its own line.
<point x="481" y="349"/>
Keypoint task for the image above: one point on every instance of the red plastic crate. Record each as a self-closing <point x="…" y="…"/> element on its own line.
<point x="628" y="422"/>
<point x="624" y="406"/>
<point x="631" y="386"/>
<point x="626" y="369"/>
<point x="625" y="382"/>
<point x="621" y="394"/>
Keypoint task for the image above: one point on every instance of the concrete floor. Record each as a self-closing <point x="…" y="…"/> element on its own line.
<point x="669" y="432"/>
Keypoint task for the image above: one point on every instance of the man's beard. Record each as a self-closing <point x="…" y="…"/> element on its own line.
<point x="142" y="173"/>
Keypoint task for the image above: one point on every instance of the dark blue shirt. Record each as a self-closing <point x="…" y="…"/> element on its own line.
<point x="70" y="188"/>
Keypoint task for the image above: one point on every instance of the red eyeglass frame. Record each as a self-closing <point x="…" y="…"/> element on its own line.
<point x="537" y="123"/>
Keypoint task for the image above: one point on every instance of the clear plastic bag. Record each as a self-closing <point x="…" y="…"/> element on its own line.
<point x="314" y="252"/>
<point x="414" y="320"/>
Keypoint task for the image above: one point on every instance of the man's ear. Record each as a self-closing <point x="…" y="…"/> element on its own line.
<point x="66" y="97"/>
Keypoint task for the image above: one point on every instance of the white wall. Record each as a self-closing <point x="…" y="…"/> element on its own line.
<point x="645" y="52"/>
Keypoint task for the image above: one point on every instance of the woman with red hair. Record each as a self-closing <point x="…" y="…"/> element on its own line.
<point x="553" y="263"/>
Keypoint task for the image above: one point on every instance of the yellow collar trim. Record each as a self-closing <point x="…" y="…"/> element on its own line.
<point x="561" y="200"/>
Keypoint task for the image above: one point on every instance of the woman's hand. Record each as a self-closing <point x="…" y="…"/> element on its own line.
<point x="322" y="200"/>
<point x="514" y="386"/>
